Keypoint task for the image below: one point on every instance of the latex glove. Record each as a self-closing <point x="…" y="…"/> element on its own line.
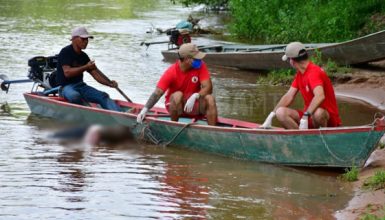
<point x="304" y="123"/>
<point x="142" y="115"/>
<point x="190" y="102"/>
<point x="268" y="121"/>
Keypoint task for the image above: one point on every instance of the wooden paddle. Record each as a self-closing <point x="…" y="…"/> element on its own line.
<point x="117" y="88"/>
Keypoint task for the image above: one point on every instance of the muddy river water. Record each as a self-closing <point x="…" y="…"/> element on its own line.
<point x="43" y="179"/>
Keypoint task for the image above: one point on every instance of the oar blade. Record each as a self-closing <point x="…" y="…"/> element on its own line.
<point x="4" y="77"/>
<point x="4" y="86"/>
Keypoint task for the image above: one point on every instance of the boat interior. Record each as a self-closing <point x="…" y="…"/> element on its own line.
<point x="162" y="114"/>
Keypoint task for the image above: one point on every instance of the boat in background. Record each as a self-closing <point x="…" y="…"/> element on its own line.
<point x="361" y="50"/>
<point x="324" y="147"/>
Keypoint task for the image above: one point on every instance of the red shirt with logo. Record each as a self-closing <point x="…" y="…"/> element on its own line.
<point x="173" y="79"/>
<point x="312" y="77"/>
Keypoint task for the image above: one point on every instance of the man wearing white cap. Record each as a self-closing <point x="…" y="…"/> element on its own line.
<point x="188" y="86"/>
<point x="317" y="91"/>
<point x="72" y="63"/>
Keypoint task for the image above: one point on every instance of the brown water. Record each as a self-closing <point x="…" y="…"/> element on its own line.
<point x="44" y="179"/>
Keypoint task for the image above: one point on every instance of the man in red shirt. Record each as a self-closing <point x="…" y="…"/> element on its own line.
<point x="188" y="86"/>
<point x="317" y="91"/>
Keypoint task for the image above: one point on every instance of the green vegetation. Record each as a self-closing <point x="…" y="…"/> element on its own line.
<point x="350" y="175"/>
<point x="369" y="216"/>
<point x="376" y="182"/>
<point x="278" y="21"/>
<point x="277" y="77"/>
<point x="286" y="76"/>
<point x="330" y="67"/>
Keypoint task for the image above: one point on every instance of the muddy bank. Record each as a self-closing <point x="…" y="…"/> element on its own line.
<point x="368" y="85"/>
<point x="365" y="200"/>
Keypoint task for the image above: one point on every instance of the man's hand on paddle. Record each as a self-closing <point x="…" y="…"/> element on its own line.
<point x="114" y="84"/>
<point x="91" y="65"/>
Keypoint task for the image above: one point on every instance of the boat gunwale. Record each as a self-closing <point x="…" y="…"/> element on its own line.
<point x="260" y="131"/>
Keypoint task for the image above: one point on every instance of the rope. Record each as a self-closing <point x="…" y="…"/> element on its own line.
<point x="327" y="147"/>
<point x="362" y="149"/>
<point x="177" y="134"/>
<point x="146" y="134"/>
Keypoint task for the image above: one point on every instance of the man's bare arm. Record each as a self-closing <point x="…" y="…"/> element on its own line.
<point x="70" y="72"/>
<point x="154" y="98"/>
<point x="98" y="76"/>
<point x="206" y="88"/>
<point x="319" y="97"/>
<point x="287" y="99"/>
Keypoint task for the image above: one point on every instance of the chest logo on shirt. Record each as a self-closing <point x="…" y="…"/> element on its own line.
<point x="307" y="88"/>
<point x="194" y="79"/>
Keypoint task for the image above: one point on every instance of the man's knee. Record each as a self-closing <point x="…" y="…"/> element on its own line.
<point x="176" y="98"/>
<point x="75" y="99"/>
<point x="281" y="113"/>
<point x="320" y="116"/>
<point x="72" y="96"/>
<point x="210" y="100"/>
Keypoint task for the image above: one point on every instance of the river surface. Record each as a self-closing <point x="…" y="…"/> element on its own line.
<point x="44" y="179"/>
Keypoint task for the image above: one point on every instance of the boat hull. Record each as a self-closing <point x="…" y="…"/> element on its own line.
<point x="329" y="147"/>
<point x="264" y="57"/>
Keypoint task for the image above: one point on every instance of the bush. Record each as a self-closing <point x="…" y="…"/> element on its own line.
<point x="282" y="21"/>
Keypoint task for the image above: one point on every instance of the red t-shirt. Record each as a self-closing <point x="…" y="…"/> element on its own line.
<point x="173" y="79"/>
<point x="312" y="77"/>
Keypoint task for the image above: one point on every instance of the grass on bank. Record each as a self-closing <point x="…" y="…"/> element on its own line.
<point x="375" y="182"/>
<point x="370" y="216"/>
<point x="286" y="76"/>
<point x="350" y="175"/>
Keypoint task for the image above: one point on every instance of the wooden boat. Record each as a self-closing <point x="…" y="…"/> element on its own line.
<point x="263" y="57"/>
<point x="326" y="147"/>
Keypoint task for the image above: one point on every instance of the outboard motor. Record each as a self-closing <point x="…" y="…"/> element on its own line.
<point x="43" y="70"/>
<point x="178" y="37"/>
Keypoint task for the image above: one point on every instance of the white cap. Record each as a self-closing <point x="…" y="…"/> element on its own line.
<point x="294" y="50"/>
<point x="81" y="32"/>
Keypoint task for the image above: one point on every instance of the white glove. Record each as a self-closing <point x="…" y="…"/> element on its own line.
<point x="304" y="123"/>
<point x="268" y="121"/>
<point x="142" y="115"/>
<point x="190" y="102"/>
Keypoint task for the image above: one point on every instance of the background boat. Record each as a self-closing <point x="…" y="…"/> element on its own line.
<point x="263" y="57"/>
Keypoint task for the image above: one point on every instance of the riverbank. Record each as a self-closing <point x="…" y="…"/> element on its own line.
<point x="367" y="85"/>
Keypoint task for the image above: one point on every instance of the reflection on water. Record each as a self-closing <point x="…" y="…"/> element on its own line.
<point x="43" y="179"/>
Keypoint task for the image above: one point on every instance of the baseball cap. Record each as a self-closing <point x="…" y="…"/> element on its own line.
<point x="191" y="50"/>
<point x="294" y="50"/>
<point x="81" y="32"/>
